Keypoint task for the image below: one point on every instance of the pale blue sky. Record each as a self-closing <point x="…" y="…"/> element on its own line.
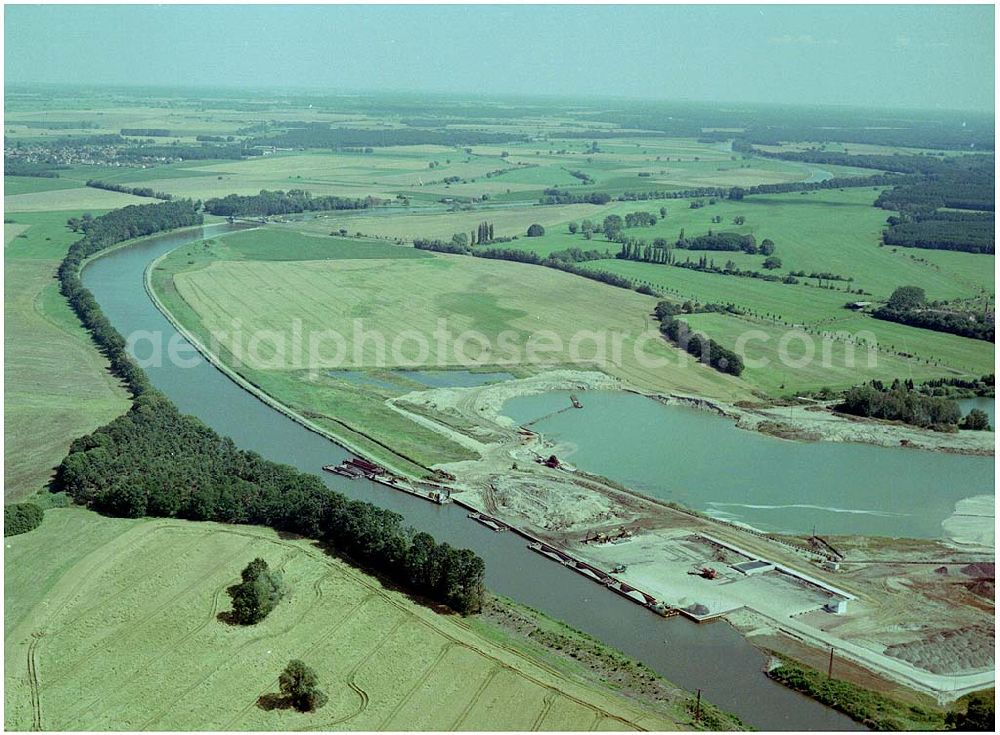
<point x="886" y="56"/>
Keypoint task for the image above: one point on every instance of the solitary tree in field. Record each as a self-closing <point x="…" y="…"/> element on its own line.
<point x="767" y="247"/>
<point x="536" y="230"/>
<point x="772" y="262"/>
<point x="258" y="593"/>
<point x="299" y="684"/>
<point x="573" y="228"/>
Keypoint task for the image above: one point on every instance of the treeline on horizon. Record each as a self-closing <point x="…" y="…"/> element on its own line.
<point x="128" y="150"/>
<point x="155" y="461"/>
<point x="269" y="203"/>
<point x="564" y="196"/>
<point x="931" y="183"/>
<point x="322" y="135"/>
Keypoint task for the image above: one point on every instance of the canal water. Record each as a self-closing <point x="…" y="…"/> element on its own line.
<point x="713" y="657"/>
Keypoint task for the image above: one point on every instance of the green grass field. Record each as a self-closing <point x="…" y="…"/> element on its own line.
<point x="261" y="244"/>
<point x="30" y="184"/>
<point x="470" y="293"/>
<point x="212" y="286"/>
<point x="56" y="384"/>
<point x="112" y="624"/>
<point x="78" y="198"/>
<point x="826" y="231"/>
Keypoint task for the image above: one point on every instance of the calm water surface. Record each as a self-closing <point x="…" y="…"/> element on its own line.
<point x="703" y="461"/>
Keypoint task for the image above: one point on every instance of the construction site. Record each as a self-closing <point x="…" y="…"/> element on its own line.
<point x="916" y="613"/>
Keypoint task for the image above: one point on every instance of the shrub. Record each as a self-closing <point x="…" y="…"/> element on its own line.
<point x="21" y="518"/>
<point x="258" y="594"/>
<point x="976" y="420"/>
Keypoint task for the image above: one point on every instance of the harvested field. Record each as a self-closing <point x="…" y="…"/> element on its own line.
<point x="508" y="303"/>
<point x="69" y="199"/>
<point x="57" y="384"/>
<point x="108" y="640"/>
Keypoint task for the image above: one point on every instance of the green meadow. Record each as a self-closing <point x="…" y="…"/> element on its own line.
<point x="57" y="386"/>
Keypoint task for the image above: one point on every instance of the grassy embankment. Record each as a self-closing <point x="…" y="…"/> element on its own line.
<point x="113" y="624"/>
<point x="270" y="278"/>
<point x="57" y="384"/>
<point x="873" y="709"/>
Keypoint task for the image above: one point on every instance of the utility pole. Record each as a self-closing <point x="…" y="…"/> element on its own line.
<point x="829" y="671"/>
<point x="697" y="708"/>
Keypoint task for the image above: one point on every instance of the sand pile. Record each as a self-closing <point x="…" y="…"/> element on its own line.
<point x="951" y="651"/>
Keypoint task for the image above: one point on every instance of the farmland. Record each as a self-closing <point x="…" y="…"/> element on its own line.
<point x="98" y="639"/>
<point x="57" y="385"/>
<point x="249" y="278"/>
<point x="112" y="623"/>
<point x="825" y="232"/>
<point x="78" y="198"/>
<point x="471" y="294"/>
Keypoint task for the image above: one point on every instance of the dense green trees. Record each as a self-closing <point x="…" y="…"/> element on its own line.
<point x="146" y="132"/>
<point x="724" y="241"/>
<point x="908" y="305"/>
<point x="976" y="420"/>
<point x="901" y="402"/>
<point x="257" y="594"/>
<point x="560" y="196"/>
<point x="640" y="219"/>
<point x="968" y="232"/>
<point x="483" y="234"/>
<point x="268" y="203"/>
<point x="612" y="226"/>
<point x="907" y="297"/>
<point x="100" y="233"/>
<point x="979" y="716"/>
<point x="321" y="135"/>
<point x="974" y="326"/>
<point x="20" y="518"/>
<point x="564" y="260"/>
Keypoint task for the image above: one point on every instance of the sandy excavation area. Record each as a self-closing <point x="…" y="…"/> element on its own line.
<point x="817" y="422"/>
<point x="911" y="607"/>
<point x="973" y="524"/>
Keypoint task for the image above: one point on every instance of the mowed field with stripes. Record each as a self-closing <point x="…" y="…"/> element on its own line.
<point x="115" y="626"/>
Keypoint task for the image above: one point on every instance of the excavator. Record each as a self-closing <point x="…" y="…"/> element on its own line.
<point x="705" y="573"/>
